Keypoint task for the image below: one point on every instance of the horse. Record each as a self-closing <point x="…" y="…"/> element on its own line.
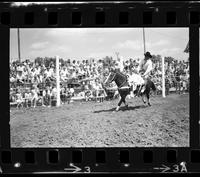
<point x="124" y="87"/>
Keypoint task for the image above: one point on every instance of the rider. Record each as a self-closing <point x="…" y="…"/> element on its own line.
<point x="145" y="68"/>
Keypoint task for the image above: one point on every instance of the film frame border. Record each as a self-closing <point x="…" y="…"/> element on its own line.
<point x="136" y="156"/>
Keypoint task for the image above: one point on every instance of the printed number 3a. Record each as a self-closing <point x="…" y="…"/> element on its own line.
<point x="176" y="168"/>
<point x="87" y="169"/>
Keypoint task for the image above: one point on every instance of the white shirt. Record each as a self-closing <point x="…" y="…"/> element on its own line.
<point x="48" y="73"/>
<point x="54" y="92"/>
<point x="20" y="68"/>
<point x="12" y="79"/>
<point x="43" y="93"/>
<point x="48" y="92"/>
<point x="32" y="73"/>
<point x="71" y="90"/>
<point x="136" y="79"/>
<point x="34" y="93"/>
<point x="20" y="77"/>
<point x="37" y="71"/>
<point x="51" y="71"/>
<point x="63" y="72"/>
<point x="147" y="66"/>
<point x="74" y="74"/>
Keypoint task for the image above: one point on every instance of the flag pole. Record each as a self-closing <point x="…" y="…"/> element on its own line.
<point x="57" y="82"/>
<point x="144" y="41"/>
<point x="163" y="77"/>
<point x="18" y="37"/>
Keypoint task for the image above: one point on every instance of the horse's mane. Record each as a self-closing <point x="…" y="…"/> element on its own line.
<point x="121" y="73"/>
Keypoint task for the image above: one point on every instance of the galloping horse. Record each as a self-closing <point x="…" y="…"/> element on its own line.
<point x="124" y="87"/>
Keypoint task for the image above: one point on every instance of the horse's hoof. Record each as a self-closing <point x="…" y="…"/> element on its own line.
<point x="117" y="109"/>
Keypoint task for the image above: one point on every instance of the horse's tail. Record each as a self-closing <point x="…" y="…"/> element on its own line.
<point x="153" y="86"/>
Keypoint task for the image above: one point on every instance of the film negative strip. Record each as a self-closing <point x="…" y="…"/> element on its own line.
<point x="78" y="44"/>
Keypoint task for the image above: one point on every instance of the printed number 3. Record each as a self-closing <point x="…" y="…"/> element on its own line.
<point x="87" y="169"/>
<point x="176" y="168"/>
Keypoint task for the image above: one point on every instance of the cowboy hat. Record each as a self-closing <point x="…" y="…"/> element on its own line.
<point x="147" y="54"/>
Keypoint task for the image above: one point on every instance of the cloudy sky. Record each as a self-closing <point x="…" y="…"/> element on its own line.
<point x="84" y="43"/>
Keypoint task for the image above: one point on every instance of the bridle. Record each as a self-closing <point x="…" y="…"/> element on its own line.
<point x="113" y="77"/>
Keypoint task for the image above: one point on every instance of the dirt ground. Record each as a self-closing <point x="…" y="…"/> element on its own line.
<point x="93" y="124"/>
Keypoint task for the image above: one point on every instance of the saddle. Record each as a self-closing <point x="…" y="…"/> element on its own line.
<point x="135" y="79"/>
<point x="137" y="83"/>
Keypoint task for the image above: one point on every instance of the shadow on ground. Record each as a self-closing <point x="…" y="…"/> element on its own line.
<point x="122" y="109"/>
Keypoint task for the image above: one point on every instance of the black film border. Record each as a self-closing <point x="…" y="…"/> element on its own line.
<point x="155" y="14"/>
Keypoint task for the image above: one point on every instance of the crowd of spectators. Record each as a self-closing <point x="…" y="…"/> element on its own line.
<point x="32" y="82"/>
<point x="177" y="76"/>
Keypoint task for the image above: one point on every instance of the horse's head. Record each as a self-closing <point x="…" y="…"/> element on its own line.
<point x="110" y="77"/>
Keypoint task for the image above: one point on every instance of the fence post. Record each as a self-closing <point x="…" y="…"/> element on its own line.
<point x="163" y="77"/>
<point x="57" y="82"/>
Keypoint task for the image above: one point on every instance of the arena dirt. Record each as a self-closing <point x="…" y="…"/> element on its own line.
<point x="93" y="124"/>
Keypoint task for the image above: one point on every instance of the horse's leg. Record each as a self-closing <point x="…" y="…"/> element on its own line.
<point x="126" y="105"/>
<point x="123" y="100"/>
<point x="139" y="90"/>
<point x="147" y="95"/>
<point x="120" y="101"/>
<point x="118" y="105"/>
<point x="143" y="99"/>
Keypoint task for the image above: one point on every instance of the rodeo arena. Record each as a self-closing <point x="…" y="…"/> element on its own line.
<point x="56" y="102"/>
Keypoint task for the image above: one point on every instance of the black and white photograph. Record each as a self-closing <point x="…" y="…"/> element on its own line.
<point x="99" y="87"/>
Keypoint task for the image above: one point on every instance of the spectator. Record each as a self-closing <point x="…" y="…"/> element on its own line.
<point x="47" y="95"/>
<point x="20" y="78"/>
<point x="27" y="99"/>
<point x="54" y="93"/>
<point x="45" y="74"/>
<point x="71" y="90"/>
<point x="34" y="92"/>
<point x="19" y="99"/>
<point x="68" y="95"/>
<point x="41" y="97"/>
<point x="62" y="95"/>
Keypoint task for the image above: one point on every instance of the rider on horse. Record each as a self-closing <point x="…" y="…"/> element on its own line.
<point x="145" y="68"/>
<point x="125" y="83"/>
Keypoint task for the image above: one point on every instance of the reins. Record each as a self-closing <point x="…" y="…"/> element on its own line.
<point x="124" y="81"/>
<point x="113" y="77"/>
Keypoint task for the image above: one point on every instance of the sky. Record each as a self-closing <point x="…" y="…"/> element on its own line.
<point x="85" y="43"/>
